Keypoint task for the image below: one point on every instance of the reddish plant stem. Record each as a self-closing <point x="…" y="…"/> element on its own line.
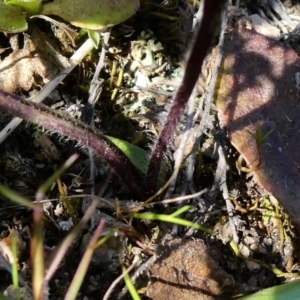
<point x="82" y="133"/>
<point x="211" y="18"/>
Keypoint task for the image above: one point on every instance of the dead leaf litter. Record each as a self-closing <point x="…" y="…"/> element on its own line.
<point x="133" y="107"/>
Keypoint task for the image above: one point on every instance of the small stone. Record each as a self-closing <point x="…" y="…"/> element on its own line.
<point x="244" y="250"/>
<point x="253" y="266"/>
<point x="185" y="270"/>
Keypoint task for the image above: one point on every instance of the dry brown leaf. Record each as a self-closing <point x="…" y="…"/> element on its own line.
<point x="36" y="63"/>
<point x="6" y="246"/>
<point x="259" y="88"/>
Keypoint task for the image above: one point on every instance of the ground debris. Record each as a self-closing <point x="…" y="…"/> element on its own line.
<point x="37" y="62"/>
<point x="186" y="270"/>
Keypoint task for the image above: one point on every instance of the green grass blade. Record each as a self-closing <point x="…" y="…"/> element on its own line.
<point x="288" y="291"/>
<point x="172" y="219"/>
<point x="48" y="183"/>
<point x="131" y="288"/>
<point x="15" y="275"/>
<point x="15" y="197"/>
<point x="181" y="210"/>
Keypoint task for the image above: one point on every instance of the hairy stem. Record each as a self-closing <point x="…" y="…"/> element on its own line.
<point x="211" y="18"/>
<point x="82" y="133"/>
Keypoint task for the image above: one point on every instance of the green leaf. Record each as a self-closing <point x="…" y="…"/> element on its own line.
<point x="173" y="219"/>
<point x="93" y="14"/>
<point x="286" y="291"/>
<point x="32" y="7"/>
<point x="139" y="157"/>
<point x="12" y="19"/>
<point x="131" y="288"/>
<point x="94" y="36"/>
<point x="13" y="196"/>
